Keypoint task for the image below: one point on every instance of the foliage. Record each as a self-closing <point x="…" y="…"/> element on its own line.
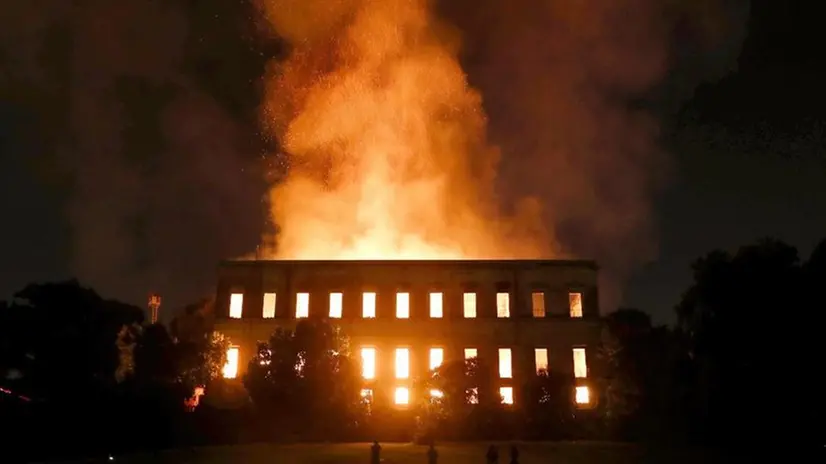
<point x="305" y="380"/>
<point x="749" y="317"/>
<point x="62" y="339"/>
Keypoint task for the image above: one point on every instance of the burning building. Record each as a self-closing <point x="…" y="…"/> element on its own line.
<point x="405" y="318"/>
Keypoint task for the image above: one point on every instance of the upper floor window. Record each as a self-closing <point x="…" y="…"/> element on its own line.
<point x="469" y="300"/>
<point x="336" y="302"/>
<point x="368" y="305"/>
<point x="503" y="305"/>
<point x="302" y="305"/>
<point x="538" y="304"/>
<point x="236" y="305"/>
<point x="402" y="305"/>
<point x="269" y="306"/>
<point x="436" y="305"/>
<point x="575" y="304"/>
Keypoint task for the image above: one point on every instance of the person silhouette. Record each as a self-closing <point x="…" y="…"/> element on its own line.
<point x="432" y="455"/>
<point x="514" y="455"/>
<point x="375" y="453"/>
<point x="492" y="455"/>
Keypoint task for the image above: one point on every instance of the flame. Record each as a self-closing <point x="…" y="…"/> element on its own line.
<point x="384" y="141"/>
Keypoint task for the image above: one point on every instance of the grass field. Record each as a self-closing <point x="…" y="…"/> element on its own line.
<point x="449" y="453"/>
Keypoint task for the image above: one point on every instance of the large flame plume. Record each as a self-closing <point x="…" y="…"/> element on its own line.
<point x="384" y="141"/>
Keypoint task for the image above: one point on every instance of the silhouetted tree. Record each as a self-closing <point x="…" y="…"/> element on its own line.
<point x="642" y="388"/>
<point x="305" y="381"/>
<point x="752" y="335"/>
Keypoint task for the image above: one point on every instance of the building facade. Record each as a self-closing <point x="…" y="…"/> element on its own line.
<point x="407" y="317"/>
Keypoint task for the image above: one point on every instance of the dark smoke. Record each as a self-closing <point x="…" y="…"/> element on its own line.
<point x="145" y="106"/>
<point x="577" y="92"/>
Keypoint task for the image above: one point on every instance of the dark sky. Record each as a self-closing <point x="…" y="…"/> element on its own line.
<point x="131" y="155"/>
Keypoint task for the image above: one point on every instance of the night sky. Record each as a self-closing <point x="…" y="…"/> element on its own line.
<point x="132" y="158"/>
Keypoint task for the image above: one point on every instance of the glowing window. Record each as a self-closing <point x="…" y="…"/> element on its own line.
<point x="538" y="304"/>
<point x="507" y="395"/>
<point x="368" y="363"/>
<point x="402" y="363"/>
<point x="402" y="305"/>
<point x="469" y="305"/>
<point x="582" y="395"/>
<point x="505" y="368"/>
<point x="335" y="305"/>
<point x="368" y="305"/>
<point x="436" y="305"/>
<point x="437" y="355"/>
<point x="472" y="395"/>
<point x="436" y="393"/>
<point x="367" y="395"/>
<point x="503" y="305"/>
<point x="269" y="305"/>
<point x="302" y="305"/>
<point x="580" y="366"/>
<point x="236" y="305"/>
<point x="230" y="370"/>
<point x="402" y="395"/>
<point x="471" y="353"/>
<point x="541" y="358"/>
<point x="575" y="303"/>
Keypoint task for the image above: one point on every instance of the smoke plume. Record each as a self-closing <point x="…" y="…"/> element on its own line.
<point x="150" y="168"/>
<point x="385" y="140"/>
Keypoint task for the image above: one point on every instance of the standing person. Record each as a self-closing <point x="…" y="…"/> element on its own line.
<point x="514" y="455"/>
<point x="375" y="453"/>
<point x="493" y="455"/>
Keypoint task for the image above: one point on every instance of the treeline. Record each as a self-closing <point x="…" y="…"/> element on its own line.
<point x="85" y="375"/>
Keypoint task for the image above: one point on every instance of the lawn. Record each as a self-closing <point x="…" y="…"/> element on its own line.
<point x="449" y="453"/>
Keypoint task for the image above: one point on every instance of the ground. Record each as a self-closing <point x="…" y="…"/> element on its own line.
<point x="449" y="453"/>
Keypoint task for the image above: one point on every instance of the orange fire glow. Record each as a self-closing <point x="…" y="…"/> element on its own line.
<point x="384" y="141"/>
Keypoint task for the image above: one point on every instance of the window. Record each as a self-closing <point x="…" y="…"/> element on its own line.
<point x="582" y="395"/>
<point x="402" y="363"/>
<point x="541" y="358"/>
<point x="507" y="394"/>
<point x="575" y="304"/>
<point x="368" y="363"/>
<point x="269" y="305"/>
<point x="230" y="370"/>
<point x="505" y="368"/>
<point x="402" y="396"/>
<point x="302" y="305"/>
<point x="472" y="395"/>
<point x="236" y="305"/>
<point x="471" y="353"/>
<point x="580" y="366"/>
<point x="437" y="355"/>
<point x="436" y="309"/>
<point x="503" y="305"/>
<point x="368" y="305"/>
<point x="538" y="304"/>
<point x="367" y="395"/>
<point x="335" y="305"/>
<point x="402" y="305"/>
<point x="469" y="305"/>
